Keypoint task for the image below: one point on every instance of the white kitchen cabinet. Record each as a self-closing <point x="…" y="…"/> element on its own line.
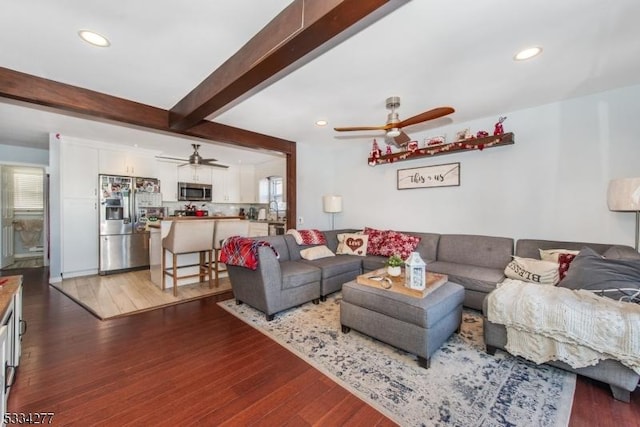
<point x="190" y="173"/>
<point x="79" y="237"/>
<point x="167" y="173"/>
<point x="257" y="229"/>
<point x="79" y="170"/>
<point x="11" y="331"/>
<point x="4" y="346"/>
<point x="232" y="185"/>
<point x="219" y="182"/>
<point x="263" y="190"/>
<point x="247" y="184"/>
<point x="117" y="162"/>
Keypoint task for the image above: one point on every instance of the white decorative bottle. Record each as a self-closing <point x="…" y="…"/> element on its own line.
<point x="415" y="272"/>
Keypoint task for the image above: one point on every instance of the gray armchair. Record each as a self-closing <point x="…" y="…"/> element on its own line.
<point x="277" y="284"/>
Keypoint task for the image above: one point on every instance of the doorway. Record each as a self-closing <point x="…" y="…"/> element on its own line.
<point x="23" y="207"/>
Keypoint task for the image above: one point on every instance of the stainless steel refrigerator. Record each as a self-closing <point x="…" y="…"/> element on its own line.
<point x="124" y="203"/>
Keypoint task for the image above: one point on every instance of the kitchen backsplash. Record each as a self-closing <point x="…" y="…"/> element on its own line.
<point x="225" y="209"/>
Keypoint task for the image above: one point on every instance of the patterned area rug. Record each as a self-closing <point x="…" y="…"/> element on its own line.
<point x="464" y="386"/>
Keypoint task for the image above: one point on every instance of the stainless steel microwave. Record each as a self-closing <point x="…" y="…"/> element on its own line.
<point x="194" y="192"/>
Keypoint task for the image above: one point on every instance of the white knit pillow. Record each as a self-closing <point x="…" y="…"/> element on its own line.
<point x="316" y="252"/>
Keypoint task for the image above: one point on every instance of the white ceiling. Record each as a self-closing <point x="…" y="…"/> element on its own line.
<point x="429" y="52"/>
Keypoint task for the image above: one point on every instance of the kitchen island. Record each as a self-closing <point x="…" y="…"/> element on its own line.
<point x="187" y="263"/>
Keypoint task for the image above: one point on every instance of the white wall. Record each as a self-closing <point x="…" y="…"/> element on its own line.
<point x="551" y="184"/>
<point x="55" y="209"/>
<point x="12" y="154"/>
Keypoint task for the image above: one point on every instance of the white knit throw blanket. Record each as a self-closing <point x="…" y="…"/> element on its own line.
<point x="574" y="326"/>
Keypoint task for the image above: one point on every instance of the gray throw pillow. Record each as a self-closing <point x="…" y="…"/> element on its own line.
<point x="621" y="252"/>
<point x="593" y="272"/>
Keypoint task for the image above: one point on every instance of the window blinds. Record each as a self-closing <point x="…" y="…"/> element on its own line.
<point x="28" y="189"/>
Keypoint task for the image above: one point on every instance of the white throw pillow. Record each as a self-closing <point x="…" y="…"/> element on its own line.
<point x="533" y="270"/>
<point x="352" y="244"/>
<point x="316" y="252"/>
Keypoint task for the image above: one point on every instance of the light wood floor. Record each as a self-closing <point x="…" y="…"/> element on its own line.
<point x="122" y="294"/>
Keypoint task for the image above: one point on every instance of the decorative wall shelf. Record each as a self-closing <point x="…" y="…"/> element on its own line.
<point x="450" y="148"/>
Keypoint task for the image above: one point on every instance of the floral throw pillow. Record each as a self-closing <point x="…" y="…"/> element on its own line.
<point x="564" y="261"/>
<point x="398" y="243"/>
<point x="376" y="239"/>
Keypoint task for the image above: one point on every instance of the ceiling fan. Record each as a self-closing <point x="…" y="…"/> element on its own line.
<point x="394" y="133"/>
<point x="195" y="159"/>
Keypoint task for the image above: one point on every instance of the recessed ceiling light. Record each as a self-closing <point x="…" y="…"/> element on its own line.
<point x="94" y="38"/>
<point x="527" y="53"/>
<point x="321" y="123"/>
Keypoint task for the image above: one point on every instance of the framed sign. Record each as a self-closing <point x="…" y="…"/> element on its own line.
<point x="446" y="175"/>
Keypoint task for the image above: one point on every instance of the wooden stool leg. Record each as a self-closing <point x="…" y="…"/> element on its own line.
<point x="201" y="268"/>
<point x="217" y="266"/>
<point x="210" y="269"/>
<point x="162" y="269"/>
<point x="175" y="276"/>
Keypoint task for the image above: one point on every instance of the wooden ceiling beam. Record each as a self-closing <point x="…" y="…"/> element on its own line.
<point x="302" y="31"/>
<point x="89" y="104"/>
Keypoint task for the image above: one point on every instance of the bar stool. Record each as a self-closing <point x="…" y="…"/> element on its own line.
<point x="188" y="236"/>
<point x="226" y="228"/>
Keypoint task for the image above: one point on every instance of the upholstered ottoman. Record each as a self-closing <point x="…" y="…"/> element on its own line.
<point x="415" y="325"/>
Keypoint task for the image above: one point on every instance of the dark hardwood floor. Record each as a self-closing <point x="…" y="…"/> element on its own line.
<point x="194" y="364"/>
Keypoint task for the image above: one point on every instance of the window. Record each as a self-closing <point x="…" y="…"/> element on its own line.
<point x="28" y="191"/>
<point x="276" y="189"/>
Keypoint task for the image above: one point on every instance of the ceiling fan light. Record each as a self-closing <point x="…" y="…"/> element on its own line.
<point x="393" y="132"/>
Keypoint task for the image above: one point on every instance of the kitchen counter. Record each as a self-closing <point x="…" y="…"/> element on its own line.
<point x="186" y="263"/>
<point x="266" y="221"/>
<point x="156" y="224"/>
<point x="181" y="218"/>
<point x="8" y="290"/>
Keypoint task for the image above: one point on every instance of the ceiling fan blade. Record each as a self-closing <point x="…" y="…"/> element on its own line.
<point x="348" y="129"/>
<point x="182" y="159"/>
<point x="216" y="165"/>
<point x="427" y="115"/>
<point x="208" y="160"/>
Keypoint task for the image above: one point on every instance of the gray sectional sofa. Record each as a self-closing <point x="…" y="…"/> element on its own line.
<point x="475" y="262"/>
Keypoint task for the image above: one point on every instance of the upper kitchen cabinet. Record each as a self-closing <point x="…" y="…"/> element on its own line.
<point x="192" y="173"/>
<point x="247" y="184"/>
<point x="79" y="170"/>
<point x="128" y="163"/>
<point x="226" y="185"/>
<point x="167" y="173"/>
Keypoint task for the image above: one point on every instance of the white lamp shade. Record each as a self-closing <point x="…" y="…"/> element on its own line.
<point x="624" y="194"/>
<point x="332" y="204"/>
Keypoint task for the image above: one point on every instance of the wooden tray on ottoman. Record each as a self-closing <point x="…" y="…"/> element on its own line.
<point x="434" y="281"/>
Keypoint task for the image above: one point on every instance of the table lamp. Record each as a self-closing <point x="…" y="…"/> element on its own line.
<point x="623" y="195"/>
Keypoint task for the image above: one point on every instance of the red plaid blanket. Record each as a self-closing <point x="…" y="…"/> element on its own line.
<point x="242" y="251"/>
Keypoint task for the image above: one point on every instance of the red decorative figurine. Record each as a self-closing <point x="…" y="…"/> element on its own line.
<point x="375" y="154"/>
<point x="499" y="130"/>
